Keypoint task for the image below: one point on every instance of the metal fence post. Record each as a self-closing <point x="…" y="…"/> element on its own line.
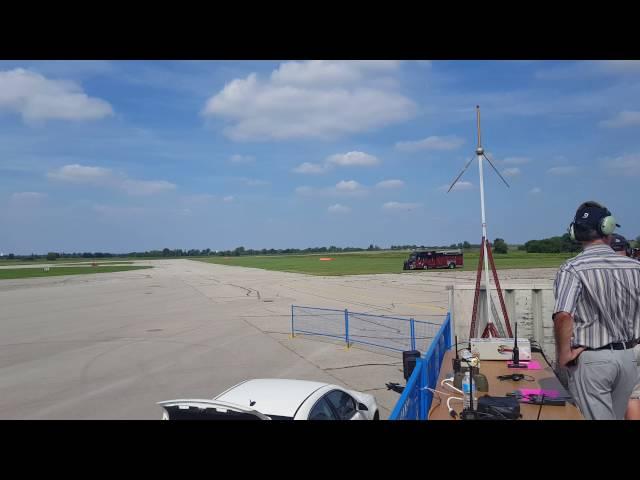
<point x="412" y="325"/>
<point x="424" y="381"/>
<point x="346" y="326"/>
<point x="292" y="328"/>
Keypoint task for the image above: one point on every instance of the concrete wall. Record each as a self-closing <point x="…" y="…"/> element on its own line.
<point x="530" y="305"/>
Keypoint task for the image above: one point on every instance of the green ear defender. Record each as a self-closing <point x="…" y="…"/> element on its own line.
<point x="607" y="225"/>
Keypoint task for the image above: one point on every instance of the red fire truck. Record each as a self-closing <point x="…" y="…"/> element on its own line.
<point x="424" y="260"/>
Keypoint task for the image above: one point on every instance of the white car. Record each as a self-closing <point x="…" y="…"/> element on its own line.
<point x="276" y="399"/>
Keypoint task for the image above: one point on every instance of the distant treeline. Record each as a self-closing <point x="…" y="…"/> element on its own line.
<point x="169" y="253"/>
<point x="464" y="245"/>
<point x="562" y="244"/>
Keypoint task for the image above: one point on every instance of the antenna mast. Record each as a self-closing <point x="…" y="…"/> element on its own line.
<point x="480" y="153"/>
<point x="485" y="253"/>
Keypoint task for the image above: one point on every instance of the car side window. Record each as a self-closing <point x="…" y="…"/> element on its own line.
<point x="322" y="411"/>
<point x="343" y="403"/>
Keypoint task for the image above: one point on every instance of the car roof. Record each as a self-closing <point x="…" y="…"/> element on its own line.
<point x="272" y="396"/>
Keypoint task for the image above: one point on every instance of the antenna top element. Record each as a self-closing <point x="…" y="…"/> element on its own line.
<point x="479" y="135"/>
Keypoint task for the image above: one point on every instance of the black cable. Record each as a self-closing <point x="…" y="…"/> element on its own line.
<point x="538" y="348"/>
<point x="541" y="404"/>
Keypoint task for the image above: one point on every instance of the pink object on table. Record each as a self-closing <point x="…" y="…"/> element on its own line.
<point x="539" y="391"/>
<point x="531" y="365"/>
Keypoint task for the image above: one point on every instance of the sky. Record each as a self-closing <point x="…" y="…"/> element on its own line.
<point x="121" y="156"/>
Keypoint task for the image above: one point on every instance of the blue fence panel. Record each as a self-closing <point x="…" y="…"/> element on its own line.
<point x="318" y="321"/>
<point x="415" y="401"/>
<point x="380" y="331"/>
<point x="408" y="407"/>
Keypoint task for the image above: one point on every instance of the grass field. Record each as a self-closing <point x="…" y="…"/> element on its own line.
<point x="5" y="262"/>
<point x="99" y="264"/>
<point x="10" y="273"/>
<point x="378" y="262"/>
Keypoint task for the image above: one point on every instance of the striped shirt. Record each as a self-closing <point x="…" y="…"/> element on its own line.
<point x="601" y="290"/>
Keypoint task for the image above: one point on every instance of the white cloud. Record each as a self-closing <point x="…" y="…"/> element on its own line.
<point x="322" y="72"/>
<point x="27" y="198"/>
<point x="390" y="184"/>
<point x="146" y="187"/>
<point x="349" y="159"/>
<point x="511" y="172"/>
<point x="514" y="160"/>
<point x="81" y="174"/>
<point x="618" y="66"/>
<point x="104" y="177"/>
<point x="241" y="159"/>
<point x="399" y="206"/>
<point x="625" y="165"/>
<point x="623" y="119"/>
<point x="252" y="182"/>
<point x="535" y="190"/>
<point x="310" y="168"/>
<point x="348" y="186"/>
<point x="337" y="208"/>
<point x="313" y="99"/>
<point x="431" y="143"/>
<point x="565" y="170"/>
<point x="461" y="185"/>
<point x="228" y="199"/>
<point x="37" y="98"/>
<point x="584" y="69"/>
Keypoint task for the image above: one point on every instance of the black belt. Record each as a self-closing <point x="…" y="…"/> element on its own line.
<point x="618" y="346"/>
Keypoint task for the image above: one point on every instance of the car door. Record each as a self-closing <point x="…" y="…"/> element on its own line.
<point x="344" y="405"/>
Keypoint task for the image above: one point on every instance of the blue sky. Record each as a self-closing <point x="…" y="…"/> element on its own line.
<point x="135" y="155"/>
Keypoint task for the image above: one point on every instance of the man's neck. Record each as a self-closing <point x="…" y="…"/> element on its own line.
<point x="593" y="243"/>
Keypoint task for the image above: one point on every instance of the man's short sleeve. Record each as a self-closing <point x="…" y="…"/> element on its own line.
<point x="566" y="289"/>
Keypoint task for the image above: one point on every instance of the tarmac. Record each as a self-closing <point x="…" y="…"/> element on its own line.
<point x="111" y="345"/>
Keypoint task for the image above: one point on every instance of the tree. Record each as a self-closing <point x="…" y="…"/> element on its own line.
<point x="500" y="246"/>
<point x="466" y="245"/>
<point x="52" y="256"/>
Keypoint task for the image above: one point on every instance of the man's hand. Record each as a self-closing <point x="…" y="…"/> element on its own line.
<point x="563" y="331"/>
<point x="570" y="355"/>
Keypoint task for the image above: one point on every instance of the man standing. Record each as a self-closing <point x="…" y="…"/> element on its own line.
<point x="621" y="246"/>
<point x="597" y="317"/>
